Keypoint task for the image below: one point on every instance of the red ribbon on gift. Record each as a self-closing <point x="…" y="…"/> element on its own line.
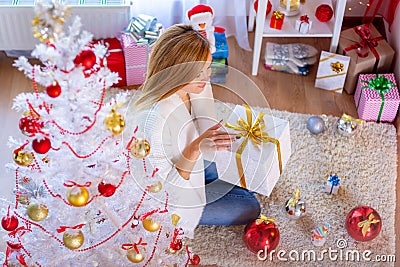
<point x="366" y="42"/>
<point x="304" y="18"/>
<point x="63" y="228"/>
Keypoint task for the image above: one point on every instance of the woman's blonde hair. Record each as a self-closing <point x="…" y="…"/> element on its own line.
<point x="177" y="57"/>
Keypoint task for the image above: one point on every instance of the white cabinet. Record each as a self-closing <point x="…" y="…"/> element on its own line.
<point x="331" y="28"/>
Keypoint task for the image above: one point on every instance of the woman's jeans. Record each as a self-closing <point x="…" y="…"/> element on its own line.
<point x="227" y="204"/>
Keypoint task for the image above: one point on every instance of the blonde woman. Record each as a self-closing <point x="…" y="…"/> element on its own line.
<point x="175" y="112"/>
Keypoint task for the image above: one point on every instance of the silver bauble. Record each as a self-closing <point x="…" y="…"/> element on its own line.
<point x="316" y="124"/>
<point x="297" y="211"/>
<point x="346" y="128"/>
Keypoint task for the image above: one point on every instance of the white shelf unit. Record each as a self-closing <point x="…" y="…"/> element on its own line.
<point x="319" y="29"/>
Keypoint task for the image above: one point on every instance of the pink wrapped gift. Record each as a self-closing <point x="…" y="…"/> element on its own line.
<point x="377" y="97"/>
<point x="136" y="60"/>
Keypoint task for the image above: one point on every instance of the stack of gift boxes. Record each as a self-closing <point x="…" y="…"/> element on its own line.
<point x="219" y="64"/>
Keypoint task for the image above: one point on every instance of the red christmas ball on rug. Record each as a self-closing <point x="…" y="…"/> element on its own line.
<point x="195" y="260"/>
<point x="269" y="7"/>
<point x="324" y="12"/>
<point x="106" y="190"/>
<point x="41" y="146"/>
<point x="53" y="90"/>
<point x="86" y="58"/>
<point x="261" y="234"/>
<point x="363" y="223"/>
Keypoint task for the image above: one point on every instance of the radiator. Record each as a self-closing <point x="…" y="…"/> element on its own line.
<point x="101" y="21"/>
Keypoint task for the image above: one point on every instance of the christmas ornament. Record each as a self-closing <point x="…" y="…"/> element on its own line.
<point x="269" y="7"/>
<point x="136" y="255"/>
<point x="23" y="158"/>
<point x="78" y="196"/>
<point x="29" y="126"/>
<point x="318" y="235"/>
<point x="86" y="58"/>
<point x="37" y="212"/>
<point x="139" y="148"/>
<point x="261" y="234"/>
<point x="176" y="245"/>
<point x="195" y="260"/>
<point x="41" y="146"/>
<point x="151" y="225"/>
<point x="106" y="190"/>
<point x="347" y="126"/>
<point x="114" y="122"/>
<point x="73" y="239"/>
<point x="295" y="206"/>
<point x="316" y="124"/>
<point x="9" y="222"/>
<point x="289" y="7"/>
<point x="54" y="89"/>
<point x="42" y="30"/>
<point x="363" y="223"/>
<point x="324" y="13"/>
<point x="175" y="219"/>
<point x="155" y="188"/>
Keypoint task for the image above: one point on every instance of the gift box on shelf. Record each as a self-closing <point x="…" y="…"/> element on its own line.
<point x="332" y="71"/>
<point x="257" y="159"/>
<point x="277" y="19"/>
<point x="144" y="29"/>
<point x="377" y="97"/>
<point x="221" y="44"/>
<point x="369" y="52"/>
<point x="332" y="184"/>
<point x="136" y="59"/>
<point x="219" y="70"/>
<point x="303" y="24"/>
<point x="114" y="58"/>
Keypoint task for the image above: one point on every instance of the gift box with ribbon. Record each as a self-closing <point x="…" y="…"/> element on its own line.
<point x="136" y="59"/>
<point x="257" y="159"/>
<point x="332" y="184"/>
<point x="114" y="58"/>
<point x="332" y="71"/>
<point x="377" y="97"/>
<point x="303" y="24"/>
<point x="277" y="19"/>
<point x="369" y="52"/>
<point x="219" y="70"/>
<point x="221" y="44"/>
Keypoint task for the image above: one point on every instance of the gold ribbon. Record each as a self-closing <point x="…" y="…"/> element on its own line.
<point x="252" y="131"/>
<point x="348" y="118"/>
<point x="264" y="219"/>
<point x="293" y="201"/>
<point x="337" y="67"/>
<point x="278" y="15"/>
<point x="366" y="223"/>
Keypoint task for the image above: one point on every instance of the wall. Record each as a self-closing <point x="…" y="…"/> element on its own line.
<point x="394" y="41"/>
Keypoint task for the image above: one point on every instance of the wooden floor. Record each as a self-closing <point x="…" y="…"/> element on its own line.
<point x="283" y="92"/>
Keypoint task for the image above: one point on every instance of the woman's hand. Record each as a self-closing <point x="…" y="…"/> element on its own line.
<point x="211" y="139"/>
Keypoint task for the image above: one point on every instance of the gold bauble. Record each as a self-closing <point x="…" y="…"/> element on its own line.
<point x="155" y="188"/>
<point x="73" y="240"/>
<point x="135" y="257"/>
<point x="139" y="148"/>
<point x="37" y="212"/>
<point x="78" y="196"/>
<point x="114" y="122"/>
<point x="23" y="199"/>
<point x="23" y="158"/>
<point x="151" y="225"/>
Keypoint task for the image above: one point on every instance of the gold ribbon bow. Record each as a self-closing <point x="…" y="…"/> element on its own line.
<point x="337" y="67"/>
<point x="293" y="201"/>
<point x="348" y="118"/>
<point x="278" y="15"/>
<point x="264" y="219"/>
<point x="366" y="223"/>
<point x="252" y="131"/>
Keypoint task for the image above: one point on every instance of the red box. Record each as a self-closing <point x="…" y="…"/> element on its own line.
<point x="115" y="58"/>
<point x="276" y="21"/>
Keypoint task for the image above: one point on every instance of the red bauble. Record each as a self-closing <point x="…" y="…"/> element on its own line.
<point x="324" y="12"/>
<point x="269" y="7"/>
<point x="260" y="236"/>
<point x="9" y="223"/>
<point x="177" y="245"/>
<point x="41" y="146"/>
<point x="195" y="259"/>
<point x="363" y="223"/>
<point x="30" y="126"/>
<point x="106" y="190"/>
<point x="53" y="90"/>
<point x="86" y="58"/>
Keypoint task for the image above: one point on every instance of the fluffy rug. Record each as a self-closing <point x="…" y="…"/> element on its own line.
<point x="367" y="166"/>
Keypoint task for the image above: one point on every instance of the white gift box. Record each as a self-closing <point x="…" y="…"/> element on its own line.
<point x="332" y="71"/>
<point x="260" y="163"/>
<point x="303" y="27"/>
<point x="330" y="188"/>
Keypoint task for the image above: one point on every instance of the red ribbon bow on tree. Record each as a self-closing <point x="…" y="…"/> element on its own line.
<point x="70" y="183"/>
<point x="63" y="228"/>
<point x="134" y="246"/>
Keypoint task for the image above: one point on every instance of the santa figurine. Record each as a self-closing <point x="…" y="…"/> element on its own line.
<point x="201" y="19"/>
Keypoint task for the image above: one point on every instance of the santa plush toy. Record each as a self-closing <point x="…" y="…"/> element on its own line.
<point x="201" y="19"/>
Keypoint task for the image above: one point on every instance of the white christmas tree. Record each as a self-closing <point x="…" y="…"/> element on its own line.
<point x="78" y="198"/>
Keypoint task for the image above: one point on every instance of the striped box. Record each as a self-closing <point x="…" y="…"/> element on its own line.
<point x="136" y="60"/>
<point x="373" y="106"/>
<point x="332" y="71"/>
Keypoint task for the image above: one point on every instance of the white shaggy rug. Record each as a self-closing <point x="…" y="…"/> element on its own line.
<point x="367" y="166"/>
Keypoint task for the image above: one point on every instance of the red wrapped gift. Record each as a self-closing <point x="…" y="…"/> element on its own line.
<point x="276" y="21"/>
<point x="115" y="58"/>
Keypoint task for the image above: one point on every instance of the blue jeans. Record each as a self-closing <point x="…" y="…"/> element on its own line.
<point x="227" y="204"/>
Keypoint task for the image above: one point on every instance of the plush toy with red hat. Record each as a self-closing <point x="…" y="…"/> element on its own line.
<point x="201" y="19"/>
